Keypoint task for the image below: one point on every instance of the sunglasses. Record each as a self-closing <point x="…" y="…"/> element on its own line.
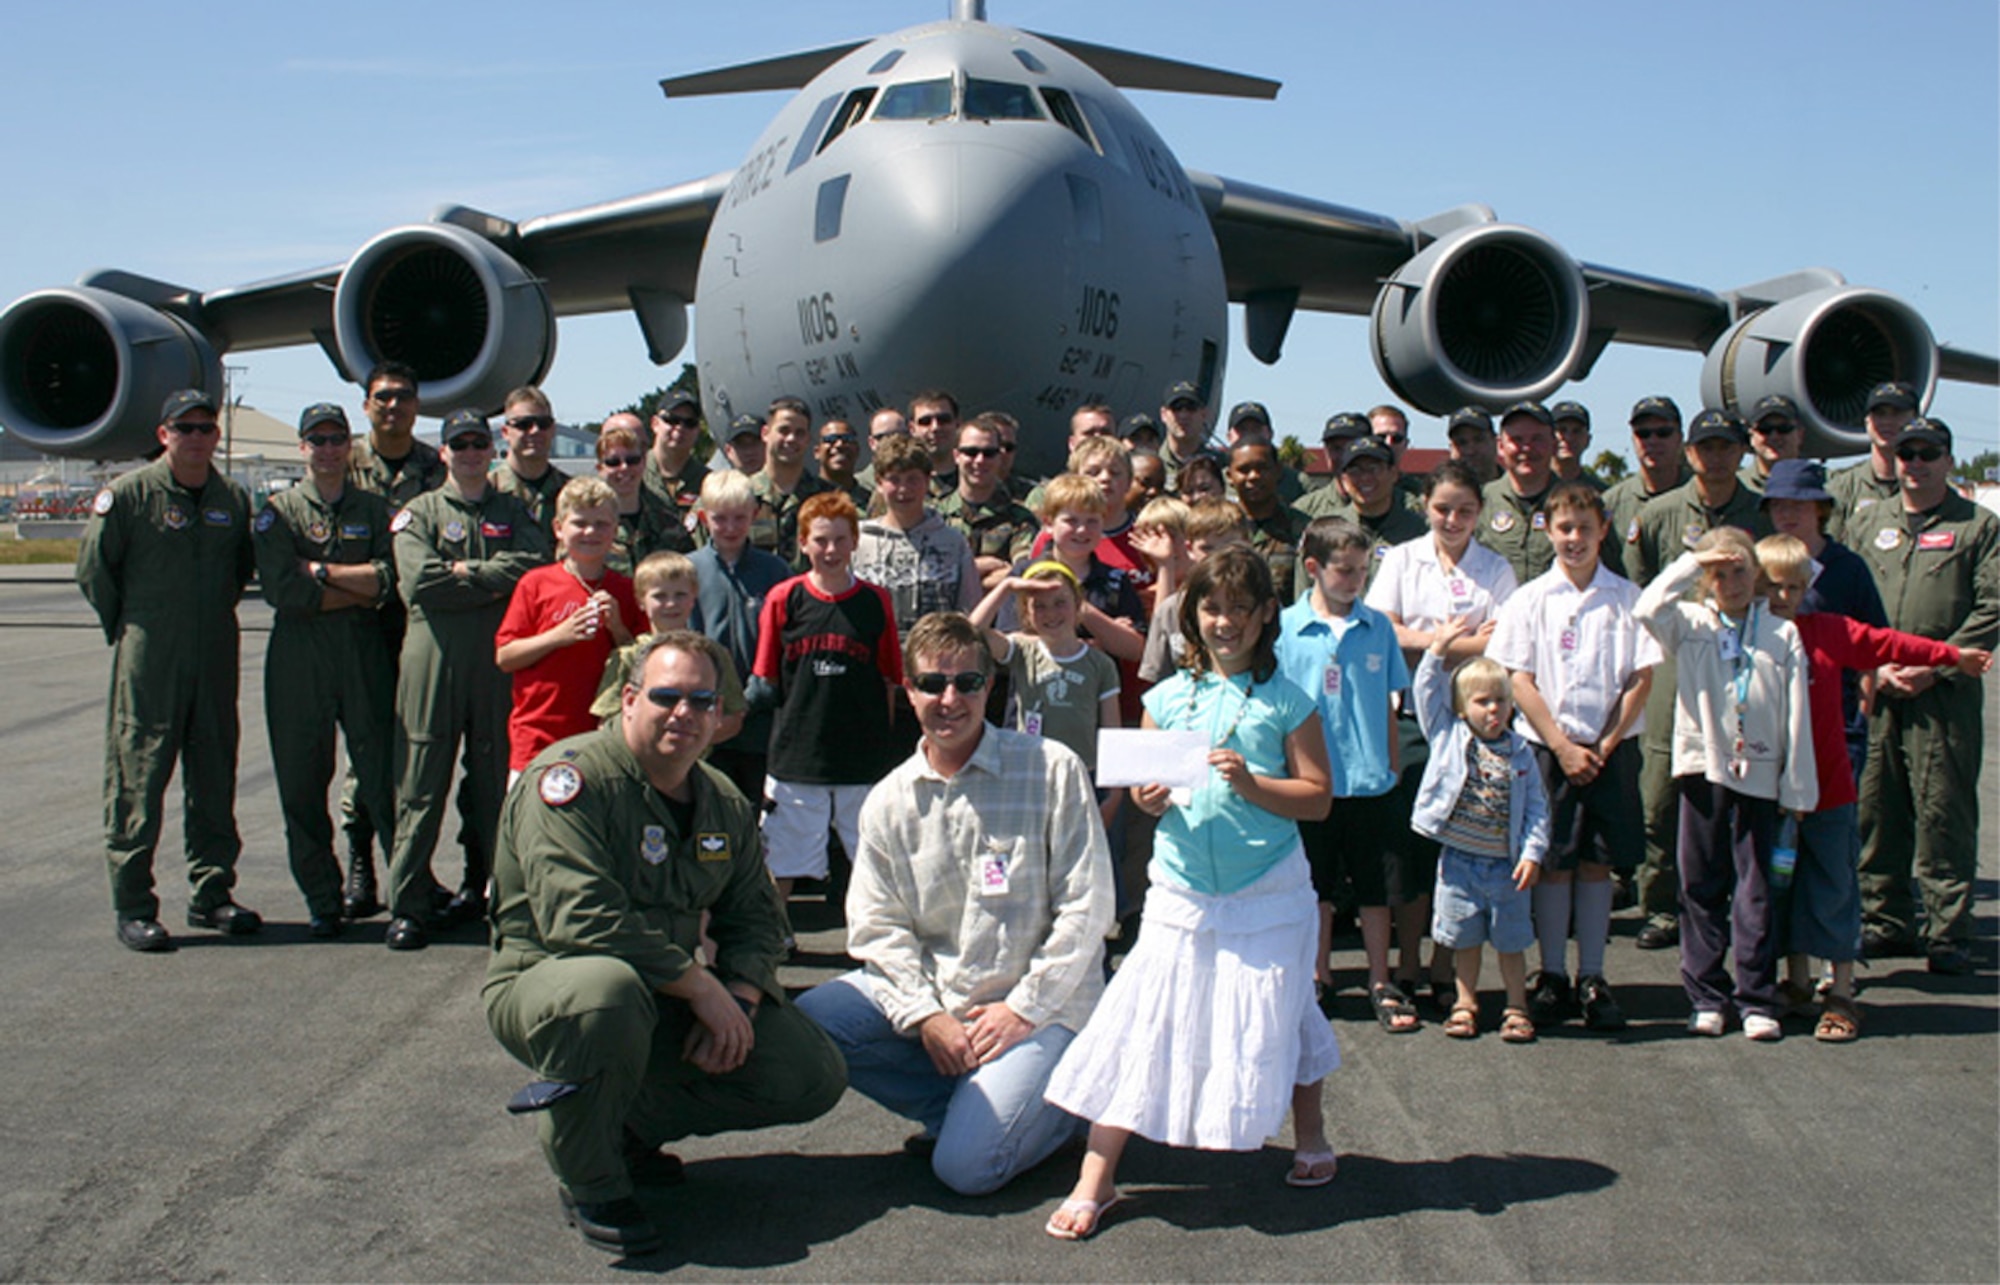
<point x="527" y="422"/>
<point x="1393" y="439"/>
<point x="1927" y="454"/>
<point x="679" y="421"/>
<point x="967" y="681"/>
<point x="929" y="421"/>
<point x="700" y="701"/>
<point x="622" y="461"/>
<point x="980" y="452"/>
<point x="1776" y="427"/>
<point x="1655" y="434"/>
<point x="838" y="439"/>
<point x="390" y="396"/>
<point x="470" y="442"/>
<point x="327" y="441"/>
<point x="196" y="428"/>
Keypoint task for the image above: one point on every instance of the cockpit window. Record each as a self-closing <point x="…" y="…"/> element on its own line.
<point x="809" y="136"/>
<point x="851" y="111"/>
<point x="916" y="100"/>
<point x="1068" y="115"/>
<point x="886" y="61"/>
<point x="1029" y="61"/>
<point x="998" y="100"/>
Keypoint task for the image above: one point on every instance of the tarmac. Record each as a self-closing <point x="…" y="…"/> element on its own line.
<point x="281" y="1109"/>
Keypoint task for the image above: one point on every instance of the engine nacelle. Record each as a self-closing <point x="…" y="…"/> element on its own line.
<point x="472" y="322"/>
<point x="83" y="371"/>
<point x="1825" y="350"/>
<point x="1484" y="316"/>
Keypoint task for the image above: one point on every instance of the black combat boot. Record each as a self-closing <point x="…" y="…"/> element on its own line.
<point x="359" y="901"/>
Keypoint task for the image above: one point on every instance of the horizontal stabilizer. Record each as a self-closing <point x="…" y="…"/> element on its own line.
<point x="790" y="71"/>
<point x="1129" y="70"/>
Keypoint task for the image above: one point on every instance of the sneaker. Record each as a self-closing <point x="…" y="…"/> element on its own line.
<point x="1706" y="1021"/>
<point x="1600" y="1010"/>
<point x="1549" y="1002"/>
<point x="1762" y="1028"/>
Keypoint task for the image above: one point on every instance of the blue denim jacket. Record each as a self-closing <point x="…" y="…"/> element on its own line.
<point x="1444" y="774"/>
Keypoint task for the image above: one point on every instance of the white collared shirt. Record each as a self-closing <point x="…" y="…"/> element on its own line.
<point x="1580" y="645"/>
<point x="1413" y="586"/>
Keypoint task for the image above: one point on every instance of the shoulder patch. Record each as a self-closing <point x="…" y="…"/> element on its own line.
<point x="1632" y="532"/>
<point x="102" y="504"/>
<point x="267" y="519"/>
<point x="561" y="783"/>
<point x="401" y="520"/>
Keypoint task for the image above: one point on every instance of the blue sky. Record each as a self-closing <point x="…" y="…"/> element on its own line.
<point x="1712" y="143"/>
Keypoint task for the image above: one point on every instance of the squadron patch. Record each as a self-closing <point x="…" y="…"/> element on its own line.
<point x="1502" y="522"/>
<point x="654" y="847"/>
<point x="560" y="783"/>
<point x="1692" y="536"/>
<point x="266" y="520"/>
<point x="1539" y="522"/>
<point x="712" y="847"/>
<point x="454" y="530"/>
<point x="401" y="520"/>
<point x="317" y="531"/>
<point x="102" y="504"/>
<point x="1888" y="538"/>
<point x="177" y="518"/>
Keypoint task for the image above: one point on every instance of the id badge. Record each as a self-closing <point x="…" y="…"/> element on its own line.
<point x="993" y="874"/>
<point x="1729" y="646"/>
<point x="1330" y="683"/>
<point x="1567" y="641"/>
<point x="1031" y="722"/>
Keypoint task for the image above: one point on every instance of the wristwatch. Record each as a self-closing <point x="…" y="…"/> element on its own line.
<point x="319" y="572"/>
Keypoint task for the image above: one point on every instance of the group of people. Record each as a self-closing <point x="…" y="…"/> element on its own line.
<point x="1462" y="706"/>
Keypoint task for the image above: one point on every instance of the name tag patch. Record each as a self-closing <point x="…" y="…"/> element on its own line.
<point x="1937" y="540"/>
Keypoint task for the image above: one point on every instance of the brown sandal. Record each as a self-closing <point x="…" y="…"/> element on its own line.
<point x="1839" y="1023"/>
<point x="1516" y="1027"/>
<point x="1463" y="1024"/>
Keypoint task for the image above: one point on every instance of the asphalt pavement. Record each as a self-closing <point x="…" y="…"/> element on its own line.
<point x="276" y="1108"/>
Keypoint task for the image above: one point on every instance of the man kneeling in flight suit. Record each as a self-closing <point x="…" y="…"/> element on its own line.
<point x="609" y="852"/>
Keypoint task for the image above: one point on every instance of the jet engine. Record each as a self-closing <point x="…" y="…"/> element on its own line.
<point x="1485" y="315"/>
<point x="1825" y="350"/>
<point x="449" y="303"/>
<point x="83" y="370"/>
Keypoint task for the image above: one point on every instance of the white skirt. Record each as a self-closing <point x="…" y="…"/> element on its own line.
<point x="1210" y="1022"/>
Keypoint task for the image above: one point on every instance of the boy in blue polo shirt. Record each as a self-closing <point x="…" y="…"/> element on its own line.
<point x="1344" y="654"/>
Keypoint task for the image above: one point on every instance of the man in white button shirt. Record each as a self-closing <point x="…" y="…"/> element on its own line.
<point x="981" y="894"/>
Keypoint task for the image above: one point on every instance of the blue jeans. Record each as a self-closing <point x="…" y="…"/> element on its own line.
<point x="990" y="1124"/>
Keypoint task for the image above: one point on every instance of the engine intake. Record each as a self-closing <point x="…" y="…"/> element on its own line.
<point x="1825" y="350"/>
<point x="1484" y="315"/>
<point x="470" y="320"/>
<point x="83" y="371"/>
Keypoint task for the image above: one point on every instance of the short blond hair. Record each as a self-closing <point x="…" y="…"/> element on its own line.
<point x="1733" y="538"/>
<point x="1784" y="557"/>
<point x="1212" y="517"/>
<point x="726" y="489"/>
<point x="663" y="568"/>
<point x="1072" y="493"/>
<point x="1092" y="450"/>
<point x="585" y="493"/>
<point x="1479" y="675"/>
<point x="1168" y="513"/>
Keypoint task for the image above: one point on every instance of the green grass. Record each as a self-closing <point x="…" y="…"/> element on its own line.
<point x="23" y="553"/>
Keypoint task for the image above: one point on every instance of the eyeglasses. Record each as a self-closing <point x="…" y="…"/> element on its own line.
<point x="390" y="396"/>
<point x="980" y="452"/>
<point x="1654" y="434"/>
<point x="622" y="461"/>
<point x="327" y="441"/>
<point x="967" y="681"/>
<point x="943" y="417"/>
<point x="1006" y="448"/>
<point x="838" y="439"/>
<point x="1775" y="427"/>
<point x="876" y="439"/>
<point x="699" y="701"/>
<point x="470" y="442"/>
<point x="526" y="423"/>
<point x="194" y="427"/>
<point x="1927" y="454"/>
<point x="1393" y="439"/>
<point x="679" y="421"/>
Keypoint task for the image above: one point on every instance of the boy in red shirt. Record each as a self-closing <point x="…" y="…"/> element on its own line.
<point x="562" y="624"/>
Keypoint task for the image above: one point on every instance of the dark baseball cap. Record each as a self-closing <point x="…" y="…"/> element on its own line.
<point x="1570" y="410"/>
<point x="743" y="424"/>
<point x="1895" y="393"/>
<point x="676" y="399"/>
<point x="321" y="413"/>
<point x="180" y="403"/>
<point x="1655" y="407"/>
<point x="464" y="421"/>
<point x="1182" y="390"/>
<point x="1533" y="410"/>
<point x="1468" y="417"/>
<point x="1248" y="410"/>
<point x="1934" y="431"/>
<point x="1774" y="404"/>
<point x="1796" y="480"/>
<point x="1712" y="424"/>
<point x="1344" y="425"/>
<point x="1139" y="423"/>
<point x="1366" y="448"/>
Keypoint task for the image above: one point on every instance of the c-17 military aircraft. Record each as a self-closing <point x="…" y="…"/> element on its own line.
<point x="967" y="206"/>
